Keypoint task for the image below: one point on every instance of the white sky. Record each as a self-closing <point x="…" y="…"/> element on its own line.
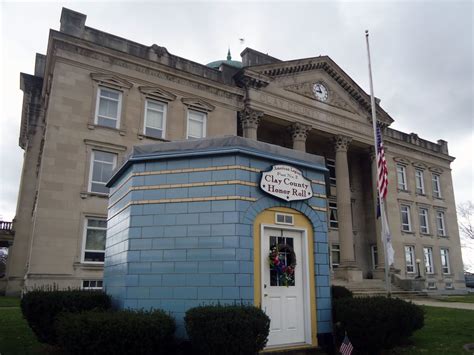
<point x="422" y="57"/>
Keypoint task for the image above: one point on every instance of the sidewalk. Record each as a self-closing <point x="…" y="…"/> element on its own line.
<point x="434" y="303"/>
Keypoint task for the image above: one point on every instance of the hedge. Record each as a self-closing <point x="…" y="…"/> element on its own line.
<point x="227" y="330"/>
<point x="119" y="332"/>
<point x="340" y="292"/>
<point x="376" y="323"/>
<point x="40" y="308"/>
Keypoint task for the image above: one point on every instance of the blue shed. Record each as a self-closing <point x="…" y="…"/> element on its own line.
<point x="222" y="220"/>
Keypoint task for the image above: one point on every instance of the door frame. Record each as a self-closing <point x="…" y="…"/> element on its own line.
<point x="305" y="275"/>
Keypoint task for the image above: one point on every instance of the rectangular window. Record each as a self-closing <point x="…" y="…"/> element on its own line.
<point x="108" y="108"/>
<point x="436" y="185"/>
<point x="410" y="259"/>
<point x="102" y="166"/>
<point x="419" y="182"/>
<point x="283" y="218"/>
<point x="331" y="165"/>
<point x="428" y="257"/>
<point x="424" y="224"/>
<point x="333" y="221"/>
<point x="401" y="177"/>
<point x="92" y="284"/>
<point x="335" y="255"/>
<point x="406" y="219"/>
<point x="196" y="124"/>
<point x="445" y="267"/>
<point x="440" y="225"/>
<point x="375" y="256"/>
<point x="155" y="119"/>
<point x="94" y="240"/>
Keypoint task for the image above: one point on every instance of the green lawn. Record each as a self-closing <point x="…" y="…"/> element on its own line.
<point x="446" y="330"/>
<point x="15" y="335"/>
<point x="469" y="298"/>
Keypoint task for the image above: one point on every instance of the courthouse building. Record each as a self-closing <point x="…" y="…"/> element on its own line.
<point x="94" y="96"/>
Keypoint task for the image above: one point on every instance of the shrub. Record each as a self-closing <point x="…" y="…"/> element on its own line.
<point x="119" y="332"/>
<point x="40" y="308"/>
<point x="376" y="323"/>
<point x="340" y="292"/>
<point x="229" y="330"/>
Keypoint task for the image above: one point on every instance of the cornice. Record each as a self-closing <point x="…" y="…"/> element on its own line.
<point x="153" y="69"/>
<point x="249" y="78"/>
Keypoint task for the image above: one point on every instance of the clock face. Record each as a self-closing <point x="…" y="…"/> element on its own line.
<point x="320" y="92"/>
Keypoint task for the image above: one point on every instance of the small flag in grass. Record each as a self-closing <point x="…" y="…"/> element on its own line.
<point x="346" y="346"/>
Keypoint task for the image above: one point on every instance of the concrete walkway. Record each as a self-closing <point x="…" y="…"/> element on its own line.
<point x="434" y="303"/>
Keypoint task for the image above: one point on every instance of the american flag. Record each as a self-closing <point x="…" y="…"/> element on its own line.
<point x="382" y="182"/>
<point x="346" y="346"/>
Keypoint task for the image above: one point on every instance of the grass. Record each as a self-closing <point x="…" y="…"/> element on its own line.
<point x="469" y="298"/>
<point x="446" y="331"/>
<point x="15" y="335"/>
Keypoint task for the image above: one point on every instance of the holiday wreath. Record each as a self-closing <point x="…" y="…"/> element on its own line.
<point x="285" y="269"/>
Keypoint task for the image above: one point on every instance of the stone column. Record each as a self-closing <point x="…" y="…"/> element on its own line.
<point x="347" y="270"/>
<point x="299" y="133"/>
<point x="250" y="120"/>
<point x="379" y="272"/>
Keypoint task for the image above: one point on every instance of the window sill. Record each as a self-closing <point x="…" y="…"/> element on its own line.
<point x="420" y="194"/>
<point x="333" y="229"/>
<point x="403" y="190"/>
<point x="122" y="132"/>
<point x="89" y="266"/>
<point x="144" y="136"/>
<point x="426" y="235"/>
<point x="443" y="237"/>
<point x="87" y="194"/>
<point x="408" y="232"/>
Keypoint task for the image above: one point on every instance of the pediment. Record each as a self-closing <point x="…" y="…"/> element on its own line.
<point x="402" y="161"/>
<point x="156" y="92"/>
<point x="112" y="80"/>
<point x="327" y="65"/>
<point x="334" y="99"/>
<point x="197" y="104"/>
<point x="419" y="165"/>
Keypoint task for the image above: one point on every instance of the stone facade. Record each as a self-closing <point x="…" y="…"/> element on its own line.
<point x="269" y="100"/>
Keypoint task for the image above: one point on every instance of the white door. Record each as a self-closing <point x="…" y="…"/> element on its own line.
<point x="282" y="292"/>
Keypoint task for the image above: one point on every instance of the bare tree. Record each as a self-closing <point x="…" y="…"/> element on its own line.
<point x="466" y="216"/>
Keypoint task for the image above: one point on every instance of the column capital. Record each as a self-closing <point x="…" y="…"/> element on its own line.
<point x="299" y="131"/>
<point x="341" y="143"/>
<point x="250" y="118"/>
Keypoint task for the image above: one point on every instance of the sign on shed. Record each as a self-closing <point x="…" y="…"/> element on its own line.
<point x="287" y="183"/>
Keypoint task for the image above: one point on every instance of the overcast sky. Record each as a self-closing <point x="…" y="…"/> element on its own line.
<point x="422" y="57"/>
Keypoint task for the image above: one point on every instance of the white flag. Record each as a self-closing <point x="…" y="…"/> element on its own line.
<point x="388" y="240"/>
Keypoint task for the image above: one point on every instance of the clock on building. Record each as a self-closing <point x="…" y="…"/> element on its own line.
<point x="320" y="92"/>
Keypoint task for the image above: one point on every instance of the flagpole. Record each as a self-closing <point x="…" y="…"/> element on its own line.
<point x="381" y="201"/>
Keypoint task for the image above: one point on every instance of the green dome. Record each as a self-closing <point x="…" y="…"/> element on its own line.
<point x="233" y="63"/>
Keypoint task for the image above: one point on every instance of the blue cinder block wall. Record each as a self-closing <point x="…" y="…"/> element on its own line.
<point x="180" y="232"/>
